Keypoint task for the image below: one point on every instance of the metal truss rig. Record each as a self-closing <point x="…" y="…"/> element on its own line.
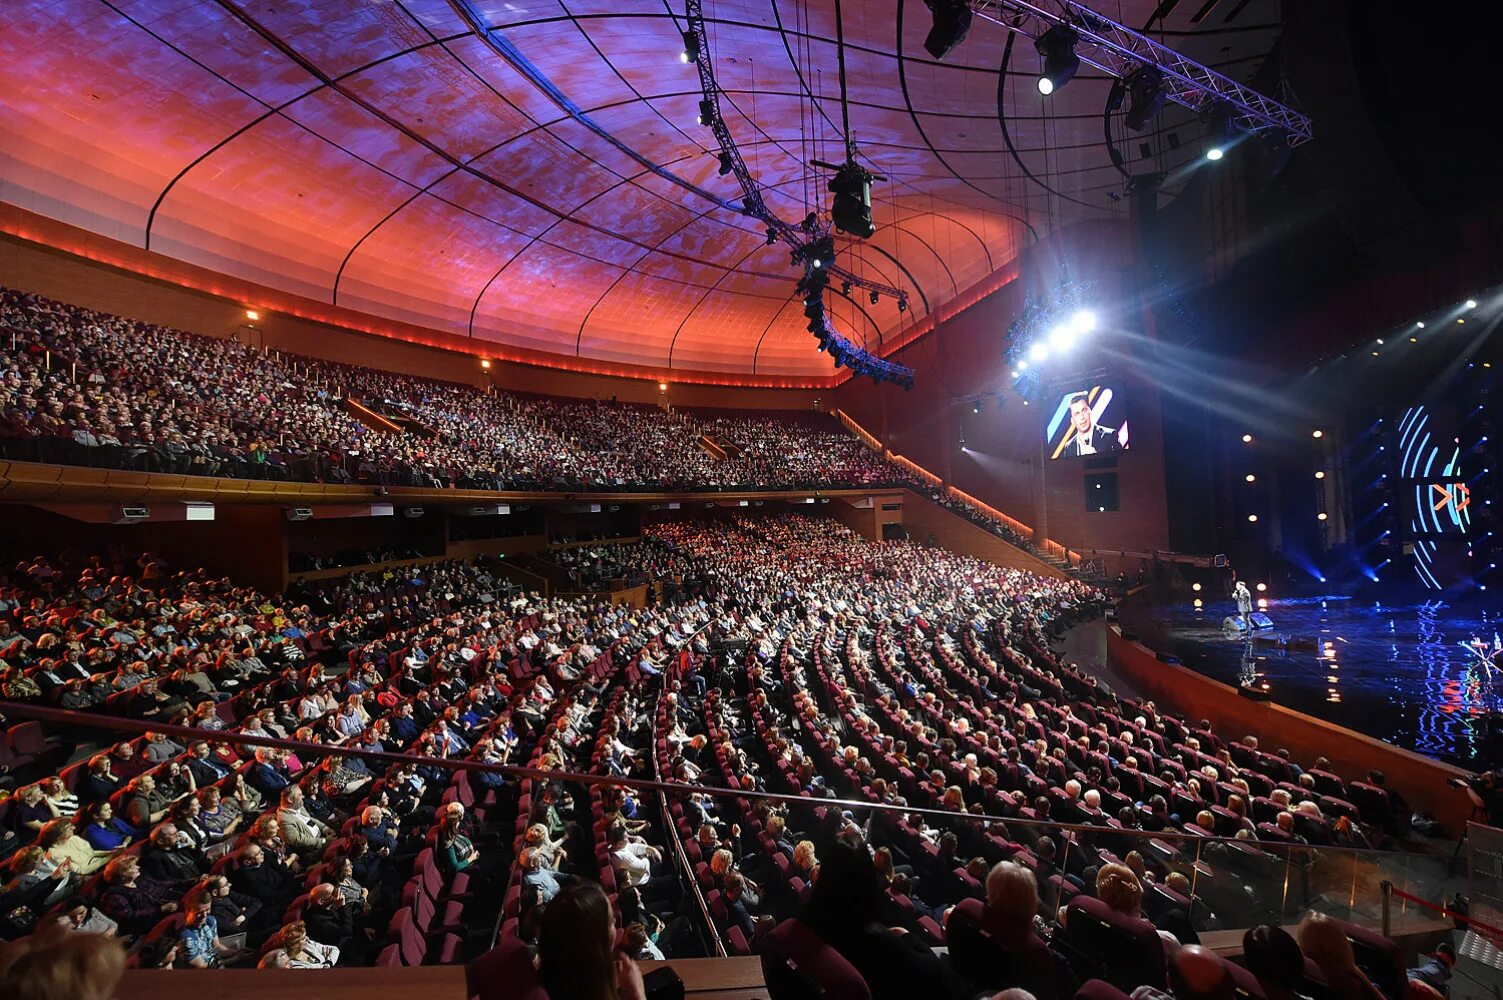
<point x="796" y="236"/>
<point x="1119" y="51"/>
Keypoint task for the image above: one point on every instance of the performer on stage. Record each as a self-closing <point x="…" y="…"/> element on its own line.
<point x="1243" y="597"/>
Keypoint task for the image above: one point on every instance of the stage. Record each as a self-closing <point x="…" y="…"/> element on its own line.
<point x="1396" y="673"/>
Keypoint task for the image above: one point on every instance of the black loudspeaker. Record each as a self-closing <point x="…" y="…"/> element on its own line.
<point x="1304" y="644"/>
<point x="1260" y="620"/>
<point x="1168" y="658"/>
<point x="1233" y="623"/>
<point x="1254" y="693"/>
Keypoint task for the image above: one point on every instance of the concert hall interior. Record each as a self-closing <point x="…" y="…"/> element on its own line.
<point x="752" y="500"/>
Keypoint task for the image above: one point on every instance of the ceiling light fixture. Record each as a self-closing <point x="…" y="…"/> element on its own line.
<point x="952" y="19"/>
<point x="1057" y="47"/>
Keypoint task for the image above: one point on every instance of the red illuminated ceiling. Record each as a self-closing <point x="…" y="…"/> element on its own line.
<point x="379" y="156"/>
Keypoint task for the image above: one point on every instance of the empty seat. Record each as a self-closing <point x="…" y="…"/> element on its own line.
<point x="798" y="965"/>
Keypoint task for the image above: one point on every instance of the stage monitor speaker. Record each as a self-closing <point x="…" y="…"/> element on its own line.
<point x="1168" y="658"/>
<point x="1261" y="621"/>
<point x="1304" y="644"/>
<point x="1254" y="693"/>
<point x="1233" y="623"/>
<point x="1268" y="639"/>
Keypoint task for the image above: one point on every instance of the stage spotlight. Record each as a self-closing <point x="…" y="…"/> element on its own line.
<point x="1215" y="153"/>
<point x="845" y="288"/>
<point x="772" y="236"/>
<point x="1145" y="96"/>
<point x="902" y="303"/>
<point x="1316" y="434"/>
<point x="1082" y="322"/>
<point x="1262" y="587"/>
<point x="1251" y="478"/>
<point x="1247" y="439"/>
<point x="1057" y="46"/>
<point x="952" y="19"/>
<point x="706" y="111"/>
<point x="690" y="52"/>
<point x="851" y="208"/>
<point x="1022" y="365"/>
<point x="485" y="363"/>
<point x="976" y="406"/>
<point x="1252" y="519"/>
<point x="1195" y="587"/>
<point x="1321" y="516"/>
<point x="725" y="164"/>
<point x="252" y="315"/>
<point x="1471" y="303"/>
<point x="1320" y="474"/>
<point x="1038" y="352"/>
<point x="1420" y="325"/>
<point x="1262" y="604"/>
<point x="874" y="297"/>
<point x="1199" y="604"/>
<point x="1062" y="337"/>
<point x="662" y="387"/>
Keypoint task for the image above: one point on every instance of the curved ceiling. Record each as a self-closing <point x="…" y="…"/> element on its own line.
<point x="548" y="189"/>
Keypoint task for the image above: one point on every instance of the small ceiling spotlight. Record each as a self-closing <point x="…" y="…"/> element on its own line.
<point x="690" y="52"/>
<point x="874" y="296"/>
<point x="1057" y="46"/>
<point x="1471" y="303"/>
<point x="1317" y="433"/>
<point x="1247" y="439"/>
<point x="252" y="315"/>
<point x="706" y="111"/>
<point x="725" y="164"/>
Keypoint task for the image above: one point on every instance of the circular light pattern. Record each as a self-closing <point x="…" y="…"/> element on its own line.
<point x="1251" y="478"/>
<point x="1252" y="518"/>
<point x="1247" y="439"/>
<point x="1471" y="303"/>
<point x="1195" y="587"/>
<point x="1214" y="153"/>
<point x="1046" y="86"/>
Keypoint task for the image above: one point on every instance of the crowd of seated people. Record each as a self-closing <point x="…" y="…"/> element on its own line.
<point x="201" y="853"/>
<point x="807" y="662"/>
<point x="83" y="387"/>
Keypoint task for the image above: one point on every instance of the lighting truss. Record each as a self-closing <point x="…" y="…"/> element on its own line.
<point x="797" y="237"/>
<point x="1118" y="50"/>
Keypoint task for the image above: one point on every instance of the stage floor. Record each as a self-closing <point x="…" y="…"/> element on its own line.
<point x="1398" y="673"/>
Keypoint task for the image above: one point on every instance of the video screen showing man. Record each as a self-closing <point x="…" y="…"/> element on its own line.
<point x="1077" y="427"/>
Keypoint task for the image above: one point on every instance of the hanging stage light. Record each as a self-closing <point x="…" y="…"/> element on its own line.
<point x="690" y="51"/>
<point x="1145" y="96"/>
<point x="706" y="111"/>
<point x="852" y="208"/>
<point x="952" y="19"/>
<point x="772" y="236"/>
<point x="1057" y="47"/>
<point x="725" y="164"/>
<point x="874" y="297"/>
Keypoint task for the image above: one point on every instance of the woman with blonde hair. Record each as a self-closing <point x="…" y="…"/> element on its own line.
<point x="1324" y="942"/>
<point x="551" y="851"/>
<point x="62" y="843"/>
<point x="302" y="951"/>
<point x="804" y="861"/>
